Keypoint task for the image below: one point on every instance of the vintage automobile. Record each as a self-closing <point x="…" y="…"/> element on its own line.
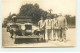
<point x="25" y="29"/>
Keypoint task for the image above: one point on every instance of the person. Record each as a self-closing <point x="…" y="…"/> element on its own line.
<point x="62" y="23"/>
<point x="55" y="29"/>
<point x="11" y="32"/>
<point x="40" y="24"/>
<point x="47" y="25"/>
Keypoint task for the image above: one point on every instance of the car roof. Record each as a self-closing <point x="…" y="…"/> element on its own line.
<point x="23" y="17"/>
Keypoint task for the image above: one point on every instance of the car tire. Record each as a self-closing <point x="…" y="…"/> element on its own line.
<point x="15" y="41"/>
<point x="37" y="39"/>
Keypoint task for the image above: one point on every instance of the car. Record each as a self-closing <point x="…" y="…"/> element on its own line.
<point x="25" y="28"/>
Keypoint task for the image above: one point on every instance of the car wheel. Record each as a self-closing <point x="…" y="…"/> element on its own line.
<point x="37" y="39"/>
<point x="15" y="41"/>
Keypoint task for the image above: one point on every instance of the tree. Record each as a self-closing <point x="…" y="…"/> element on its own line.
<point x="70" y="20"/>
<point x="32" y="10"/>
<point x="9" y="18"/>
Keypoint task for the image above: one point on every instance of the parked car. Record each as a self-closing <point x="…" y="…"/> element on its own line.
<point x="25" y="29"/>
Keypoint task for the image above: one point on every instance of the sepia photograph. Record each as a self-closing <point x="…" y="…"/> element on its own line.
<point x="38" y="23"/>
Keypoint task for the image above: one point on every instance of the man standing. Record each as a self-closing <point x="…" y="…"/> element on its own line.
<point x="40" y="24"/>
<point x="62" y="23"/>
<point x="48" y="25"/>
<point x="55" y="29"/>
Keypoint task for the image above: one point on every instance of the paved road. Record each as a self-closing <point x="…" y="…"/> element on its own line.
<point x="8" y="42"/>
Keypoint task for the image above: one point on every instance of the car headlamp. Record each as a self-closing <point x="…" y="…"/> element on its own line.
<point x="23" y="27"/>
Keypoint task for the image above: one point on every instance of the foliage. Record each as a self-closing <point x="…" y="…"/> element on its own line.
<point x="32" y="10"/>
<point x="71" y="20"/>
<point x="36" y="12"/>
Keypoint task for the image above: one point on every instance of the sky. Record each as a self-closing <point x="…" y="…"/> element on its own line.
<point x="58" y="6"/>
